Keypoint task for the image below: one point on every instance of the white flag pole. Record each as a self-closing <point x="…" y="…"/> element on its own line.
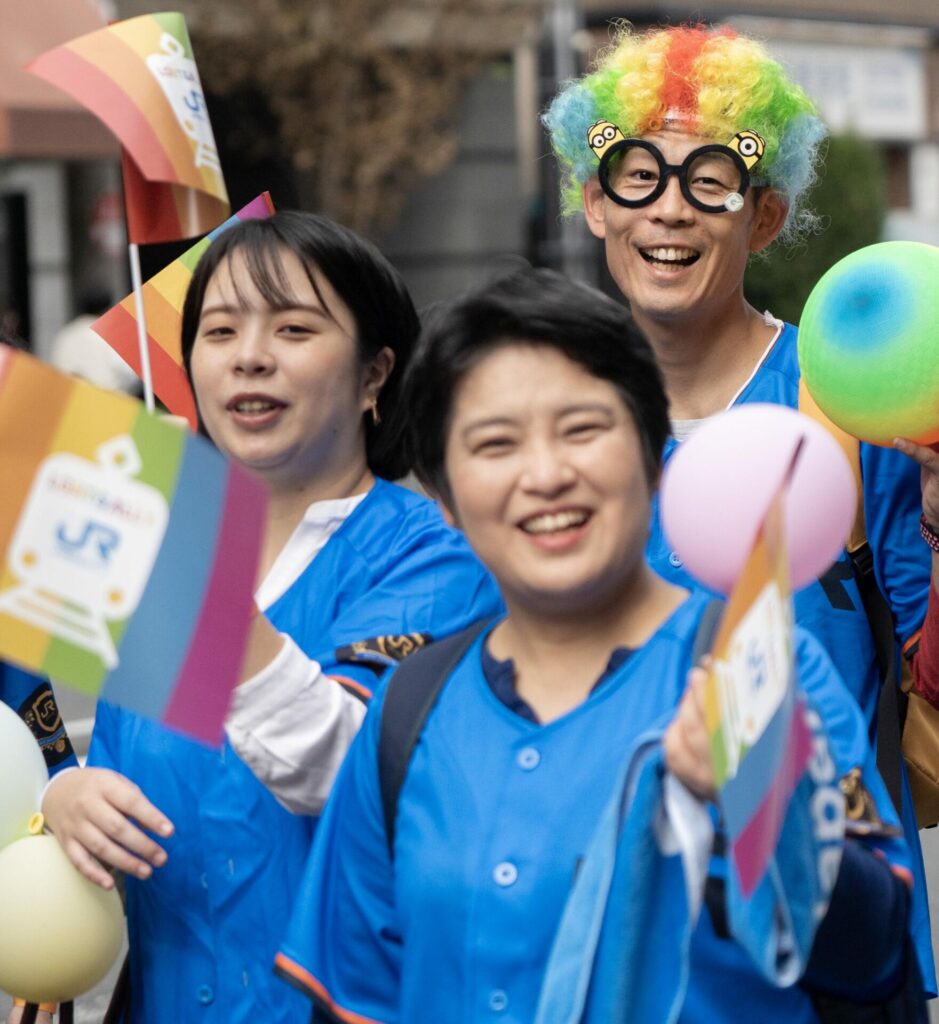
<point x="146" y="374"/>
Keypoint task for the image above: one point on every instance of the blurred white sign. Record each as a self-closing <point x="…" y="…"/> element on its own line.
<point x="878" y="92"/>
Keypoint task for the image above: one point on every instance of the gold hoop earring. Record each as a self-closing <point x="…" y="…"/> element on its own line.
<point x="376" y="418"/>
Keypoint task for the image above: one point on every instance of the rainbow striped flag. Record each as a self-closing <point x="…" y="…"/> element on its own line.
<point x="139" y="77"/>
<point x="163" y="297"/>
<point x="760" y="739"/>
<point x="128" y="549"/>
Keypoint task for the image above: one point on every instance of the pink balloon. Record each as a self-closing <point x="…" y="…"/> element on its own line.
<point x="718" y="485"/>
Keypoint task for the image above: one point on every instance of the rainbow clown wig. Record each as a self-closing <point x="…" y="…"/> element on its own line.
<point x="711" y="82"/>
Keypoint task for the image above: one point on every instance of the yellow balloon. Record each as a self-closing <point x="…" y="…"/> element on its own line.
<point x="60" y="933"/>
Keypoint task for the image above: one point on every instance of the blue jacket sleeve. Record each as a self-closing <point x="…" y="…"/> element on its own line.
<point x="871" y="898"/>
<point x="433" y="590"/>
<point x="778" y="923"/>
<point x="892" y="507"/>
<point x="33" y="699"/>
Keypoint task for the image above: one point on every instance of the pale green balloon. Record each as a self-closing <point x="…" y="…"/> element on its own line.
<point x="23" y="776"/>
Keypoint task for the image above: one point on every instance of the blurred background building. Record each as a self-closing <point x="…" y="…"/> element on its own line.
<point x="416" y="122"/>
<point x="60" y="202"/>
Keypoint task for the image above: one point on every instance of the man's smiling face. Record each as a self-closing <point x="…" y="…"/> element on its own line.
<point x="672" y="260"/>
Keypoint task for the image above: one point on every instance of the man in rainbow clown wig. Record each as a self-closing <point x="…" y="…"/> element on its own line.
<point x="688" y="150"/>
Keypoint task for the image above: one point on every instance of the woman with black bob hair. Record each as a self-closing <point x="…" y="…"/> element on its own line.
<point x="365" y="282"/>
<point x="296" y="334"/>
<point x="538" y="418"/>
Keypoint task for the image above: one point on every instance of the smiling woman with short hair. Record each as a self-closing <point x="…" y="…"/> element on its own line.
<point x="538" y="416"/>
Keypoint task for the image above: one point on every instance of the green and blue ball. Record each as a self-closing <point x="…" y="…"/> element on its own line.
<point x="869" y="343"/>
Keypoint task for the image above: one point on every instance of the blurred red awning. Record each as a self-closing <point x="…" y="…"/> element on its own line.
<point x="36" y="119"/>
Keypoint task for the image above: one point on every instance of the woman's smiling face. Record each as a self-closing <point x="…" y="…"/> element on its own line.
<point x="280" y="390"/>
<point x="546" y="478"/>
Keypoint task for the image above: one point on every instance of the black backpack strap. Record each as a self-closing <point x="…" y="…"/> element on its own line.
<point x="411" y="697"/>
<point x="891" y="706"/>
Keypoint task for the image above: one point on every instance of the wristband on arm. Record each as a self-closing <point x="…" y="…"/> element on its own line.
<point x="929" y="533"/>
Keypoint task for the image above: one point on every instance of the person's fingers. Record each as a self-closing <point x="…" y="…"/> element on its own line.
<point x="87" y="865"/>
<point x="927" y="457"/>
<point x="129" y="800"/>
<point x="687" y="744"/>
<point x="95" y="815"/>
<point x="699" y="685"/>
<point x="105" y="796"/>
<point x="111" y="854"/>
<point x="679" y="751"/>
<point x="691" y="711"/>
<point x="114" y="825"/>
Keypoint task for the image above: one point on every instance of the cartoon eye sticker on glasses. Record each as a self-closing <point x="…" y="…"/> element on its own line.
<point x="750" y="147"/>
<point x="603" y="134"/>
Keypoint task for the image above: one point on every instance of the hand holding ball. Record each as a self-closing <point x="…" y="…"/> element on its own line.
<point x="718" y="485"/>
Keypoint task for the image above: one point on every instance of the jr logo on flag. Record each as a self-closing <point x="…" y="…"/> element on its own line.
<point x="85" y="544"/>
<point x="176" y="74"/>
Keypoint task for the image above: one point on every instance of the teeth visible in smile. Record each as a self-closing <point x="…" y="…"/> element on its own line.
<point x="256" y="405"/>
<point x="553" y="522"/>
<point x="670" y="254"/>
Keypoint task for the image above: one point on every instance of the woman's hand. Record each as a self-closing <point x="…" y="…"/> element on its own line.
<point x="90" y="810"/>
<point x="687" y="745"/>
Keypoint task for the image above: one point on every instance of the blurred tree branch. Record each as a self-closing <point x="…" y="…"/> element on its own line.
<point x="364" y="92"/>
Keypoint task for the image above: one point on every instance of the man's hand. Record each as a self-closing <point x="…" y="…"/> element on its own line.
<point x="928" y="459"/>
<point x="92" y="812"/>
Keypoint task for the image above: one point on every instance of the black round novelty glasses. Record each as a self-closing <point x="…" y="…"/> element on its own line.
<point x="712" y="178"/>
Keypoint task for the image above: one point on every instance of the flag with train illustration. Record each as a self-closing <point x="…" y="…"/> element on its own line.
<point x="128" y="549"/>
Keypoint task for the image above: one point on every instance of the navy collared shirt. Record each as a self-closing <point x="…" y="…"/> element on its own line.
<point x="500" y="675"/>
